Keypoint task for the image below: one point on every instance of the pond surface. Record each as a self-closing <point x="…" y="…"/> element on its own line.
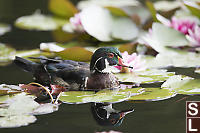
<point x="149" y="117"/>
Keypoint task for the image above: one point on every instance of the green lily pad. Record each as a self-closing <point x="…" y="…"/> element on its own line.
<point x="16" y="121"/>
<point x="154" y="94"/>
<point x="37" y="21"/>
<point x="75" y="53"/>
<point x="148" y="76"/>
<point x="110" y="96"/>
<point x="183" y="85"/>
<point x="18" y="109"/>
<point x="62" y="8"/>
<point x="6" y="52"/>
<point x="4" y="28"/>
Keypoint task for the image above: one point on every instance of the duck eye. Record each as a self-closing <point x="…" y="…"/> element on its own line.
<point x="110" y="55"/>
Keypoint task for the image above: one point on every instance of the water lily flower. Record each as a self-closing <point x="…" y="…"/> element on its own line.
<point x="182" y="25"/>
<point x="194" y="36"/>
<point x="76" y="22"/>
<point x="132" y="60"/>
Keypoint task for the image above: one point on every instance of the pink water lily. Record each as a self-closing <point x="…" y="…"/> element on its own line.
<point x="194" y="36"/>
<point x="76" y="22"/>
<point x="132" y="60"/>
<point x="182" y="25"/>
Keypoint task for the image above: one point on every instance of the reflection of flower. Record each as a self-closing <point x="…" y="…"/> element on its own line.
<point x="182" y="25"/>
<point x="132" y="60"/>
<point x="194" y="36"/>
<point x="111" y="131"/>
<point x="76" y="22"/>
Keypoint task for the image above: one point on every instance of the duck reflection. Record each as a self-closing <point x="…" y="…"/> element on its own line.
<point x="105" y="115"/>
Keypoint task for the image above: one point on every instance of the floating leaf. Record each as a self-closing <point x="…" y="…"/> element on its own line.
<point x="6" y="52"/>
<point x="148" y="76"/>
<point x="75" y="96"/>
<point x="75" y="53"/>
<point x="18" y="109"/>
<point x="193" y="7"/>
<point x="154" y="94"/>
<point x="9" y="89"/>
<point x="36" y="21"/>
<point x="183" y="85"/>
<point x="63" y="8"/>
<point x="16" y="121"/>
<point x="110" y="96"/>
<point x="4" y="28"/>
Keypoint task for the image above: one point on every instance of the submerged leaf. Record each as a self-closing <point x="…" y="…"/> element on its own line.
<point x="75" y="53"/>
<point x="183" y="85"/>
<point x="37" y="21"/>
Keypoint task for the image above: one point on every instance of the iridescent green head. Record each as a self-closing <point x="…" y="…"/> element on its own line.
<point x="103" y="58"/>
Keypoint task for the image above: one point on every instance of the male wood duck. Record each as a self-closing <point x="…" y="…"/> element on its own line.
<point x="105" y="115"/>
<point x="76" y="75"/>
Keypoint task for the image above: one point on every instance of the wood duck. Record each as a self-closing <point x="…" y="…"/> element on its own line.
<point x="76" y="75"/>
<point x="105" y="115"/>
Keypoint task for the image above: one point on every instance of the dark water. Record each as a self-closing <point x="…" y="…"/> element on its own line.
<point x="166" y="116"/>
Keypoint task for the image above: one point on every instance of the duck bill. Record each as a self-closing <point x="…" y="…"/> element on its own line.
<point x="122" y="64"/>
<point x="123" y="113"/>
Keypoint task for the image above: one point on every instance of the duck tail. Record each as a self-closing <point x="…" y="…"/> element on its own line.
<point x="26" y="65"/>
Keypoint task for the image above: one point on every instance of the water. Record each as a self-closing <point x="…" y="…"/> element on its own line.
<point x="149" y="117"/>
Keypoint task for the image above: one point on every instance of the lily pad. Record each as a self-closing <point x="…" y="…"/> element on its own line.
<point x="62" y="8"/>
<point x="9" y="89"/>
<point x="36" y="21"/>
<point x="6" y="52"/>
<point x="75" y="53"/>
<point x="154" y="94"/>
<point x="183" y="85"/>
<point x="110" y="96"/>
<point x="148" y="76"/>
<point x="4" y="28"/>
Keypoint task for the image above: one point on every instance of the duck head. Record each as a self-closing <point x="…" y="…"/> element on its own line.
<point x="105" y="115"/>
<point x="104" y="58"/>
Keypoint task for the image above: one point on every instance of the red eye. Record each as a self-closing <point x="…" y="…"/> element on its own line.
<point x="110" y="55"/>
